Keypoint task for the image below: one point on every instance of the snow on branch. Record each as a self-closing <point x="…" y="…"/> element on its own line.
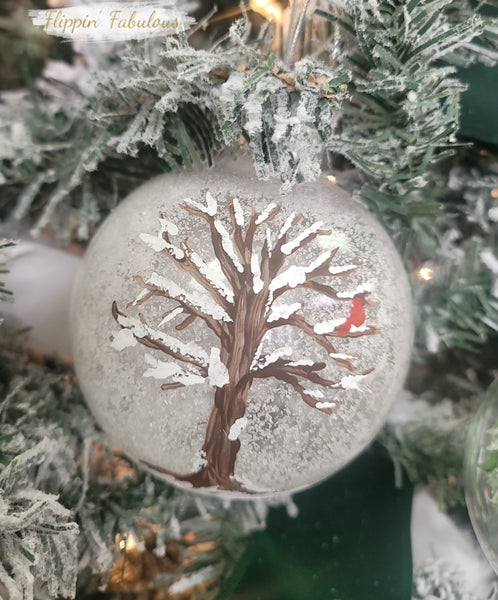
<point x="187" y="352"/>
<point x="197" y="301"/>
<point x="303" y="238"/>
<point x="181" y="377"/>
<point x="296" y="275"/>
<point x="210" y="208"/>
<point x="221" y="239"/>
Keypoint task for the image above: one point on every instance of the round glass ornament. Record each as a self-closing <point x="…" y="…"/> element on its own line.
<point x="237" y="342"/>
<point x="481" y="474"/>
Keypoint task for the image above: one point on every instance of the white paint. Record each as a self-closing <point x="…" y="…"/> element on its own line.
<point x="266" y="213"/>
<point x="158" y="244"/>
<point x="324" y="257"/>
<point x="325" y="405"/>
<point x="269" y="242"/>
<point x="328" y="326"/>
<point x="294" y="244"/>
<point x="203" y="302"/>
<point x="170" y="316"/>
<point x="489" y="259"/>
<point x="351" y="382"/>
<point x="160" y="369"/>
<point x="214" y="276"/>
<point x="314" y="393"/>
<point x="155" y="242"/>
<point x="257" y="355"/>
<point x="141" y="330"/>
<point x="239" y="213"/>
<point x="140" y="296"/>
<point x="291" y="277"/>
<point x="283" y="311"/>
<point x="340" y="356"/>
<point x="286" y="226"/>
<point x="301" y="363"/>
<point x="210" y="208"/>
<point x="212" y="205"/>
<point x="110" y="21"/>
<point x="226" y="242"/>
<point x="237" y="428"/>
<point x="341" y="269"/>
<point x="168" y="226"/>
<point x="358" y="329"/>
<point x="360" y="289"/>
<point x="271" y="358"/>
<point x="217" y="371"/>
<point x="123" y="339"/>
<point x="296" y="275"/>
<point x="257" y="282"/>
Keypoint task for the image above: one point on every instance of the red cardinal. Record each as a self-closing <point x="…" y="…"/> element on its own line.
<point x="356" y="317"/>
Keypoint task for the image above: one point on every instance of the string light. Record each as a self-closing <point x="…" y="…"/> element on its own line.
<point x="267" y="8"/>
<point x="494" y="193"/>
<point x="126" y="542"/>
<point x="331" y="178"/>
<point x="425" y="274"/>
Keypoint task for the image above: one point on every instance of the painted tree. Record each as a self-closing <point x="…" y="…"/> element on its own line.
<point x="239" y="306"/>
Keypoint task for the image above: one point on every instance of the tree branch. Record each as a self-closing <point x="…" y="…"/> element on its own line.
<point x="236" y="218"/>
<point x="190" y="265"/>
<point x="226" y="261"/>
<point x="214" y="324"/>
<point x="157" y="344"/>
<point x="297" y="320"/>
<point x="286" y="372"/>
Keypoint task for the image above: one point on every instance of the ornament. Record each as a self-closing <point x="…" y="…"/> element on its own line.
<point x="481" y="474"/>
<point x="238" y="342"/>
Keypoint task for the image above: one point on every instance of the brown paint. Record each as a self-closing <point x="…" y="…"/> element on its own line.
<point x="240" y="338"/>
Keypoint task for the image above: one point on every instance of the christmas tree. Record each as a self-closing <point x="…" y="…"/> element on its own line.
<point x="369" y="92"/>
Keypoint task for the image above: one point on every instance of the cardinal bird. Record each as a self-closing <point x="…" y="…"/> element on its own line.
<point x="356" y="317"/>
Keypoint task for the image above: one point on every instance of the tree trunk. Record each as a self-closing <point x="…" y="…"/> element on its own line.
<point x="230" y="401"/>
<point x="219" y="451"/>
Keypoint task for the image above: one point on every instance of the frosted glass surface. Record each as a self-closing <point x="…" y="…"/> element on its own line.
<point x="239" y="342"/>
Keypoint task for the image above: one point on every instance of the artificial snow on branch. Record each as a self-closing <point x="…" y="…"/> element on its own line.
<point x="377" y="91"/>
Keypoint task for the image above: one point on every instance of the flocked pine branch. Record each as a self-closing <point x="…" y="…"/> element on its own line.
<point x="178" y="105"/>
<point x="426" y="440"/>
<point x="403" y="112"/>
<point x="458" y="307"/>
<point x="167" y="108"/>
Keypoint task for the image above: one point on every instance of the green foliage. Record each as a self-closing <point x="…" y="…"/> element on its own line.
<point x="402" y="115"/>
<point x="459" y="307"/>
<point x="23" y="48"/>
<point x="427" y="442"/>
